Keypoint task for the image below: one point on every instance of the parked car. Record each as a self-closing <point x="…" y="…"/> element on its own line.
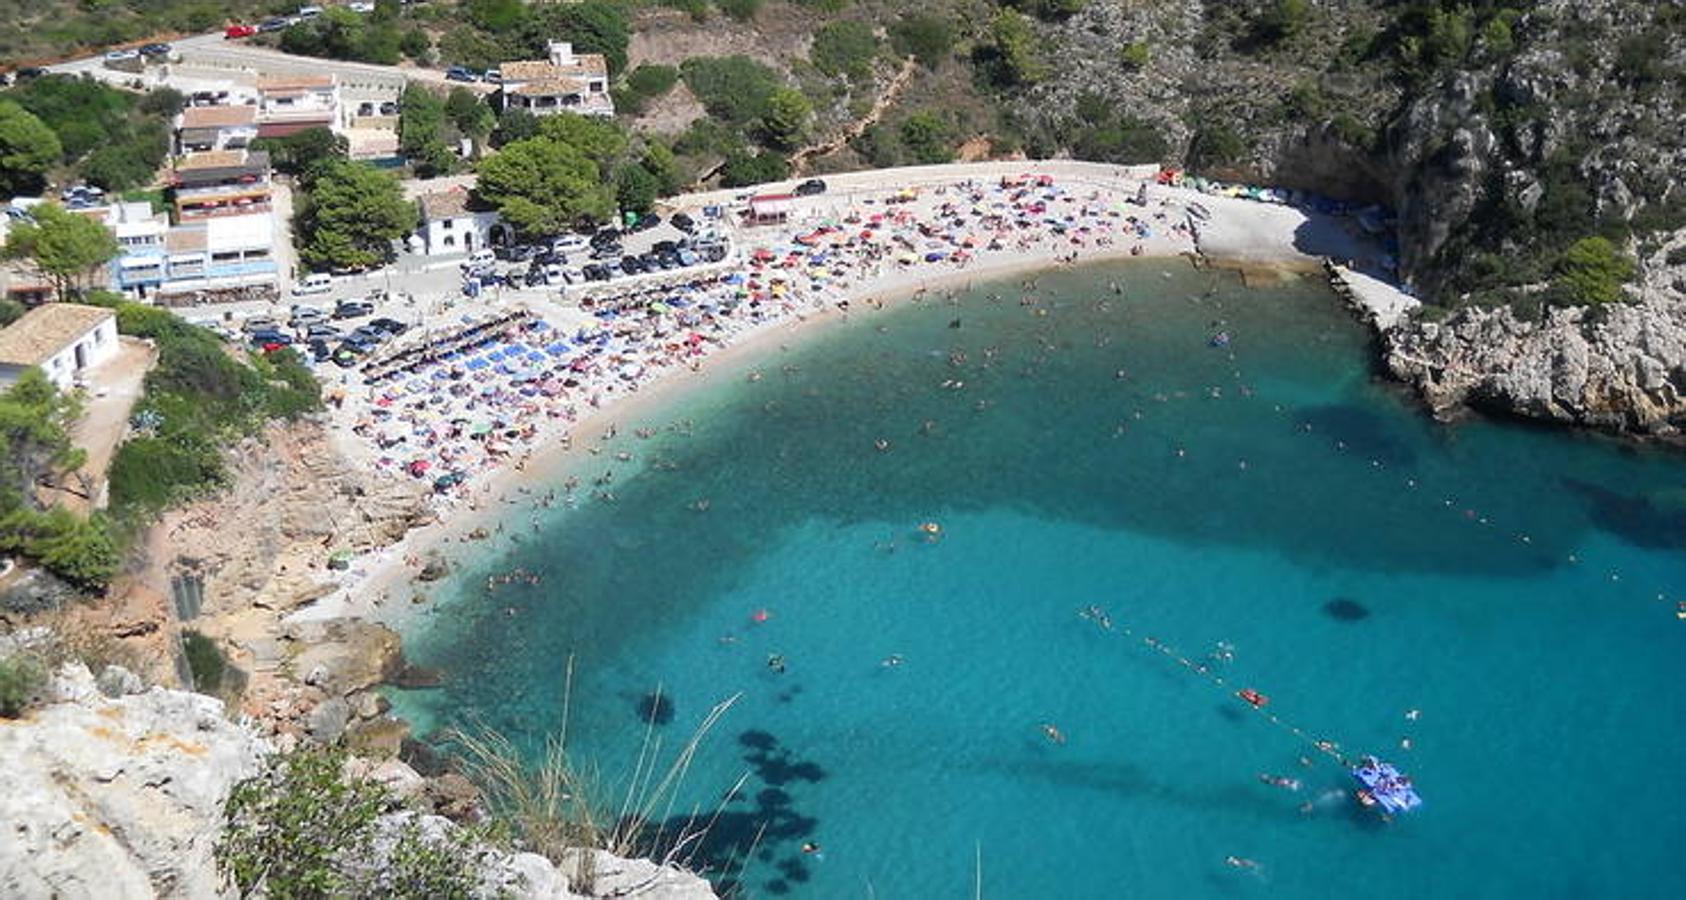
<point x="269" y="336"/>
<point x="810" y="187"/>
<point x="683" y="222"/>
<point x="309" y="12"/>
<point x="28" y="72"/>
<point x="605" y="236"/>
<point x="276" y="24"/>
<point x="389" y="326"/>
<point x="360" y="6"/>
<point x="155" y="50"/>
<point x="595" y="272"/>
<point x="460" y="73"/>
<point x="122" y="55"/>
<point x="322" y="331"/>
<point x="534" y="276"/>
<point x="314" y="283"/>
<point x="478" y="259"/>
<point x="353" y="309"/>
<point x="568" y="243"/>
<point x="493" y="76"/>
<point x="319" y="350"/>
<point x="389" y="108"/>
<point x="236" y="32"/>
<point x="646" y="222"/>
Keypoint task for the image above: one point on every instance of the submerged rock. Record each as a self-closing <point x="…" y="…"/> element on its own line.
<point x="1346" y="609"/>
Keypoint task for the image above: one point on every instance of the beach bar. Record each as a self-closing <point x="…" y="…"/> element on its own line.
<point x="770" y="209"/>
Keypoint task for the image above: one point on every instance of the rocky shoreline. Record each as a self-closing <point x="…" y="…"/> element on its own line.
<point x="1619" y="369"/>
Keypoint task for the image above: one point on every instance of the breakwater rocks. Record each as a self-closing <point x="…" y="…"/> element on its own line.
<point x="114" y="790"/>
<point x="1620" y="368"/>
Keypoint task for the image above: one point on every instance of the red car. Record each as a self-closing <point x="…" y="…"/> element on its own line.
<point x="235" y="32"/>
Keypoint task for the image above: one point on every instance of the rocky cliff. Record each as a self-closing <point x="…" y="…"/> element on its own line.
<point x="114" y="791"/>
<point x="1617" y="368"/>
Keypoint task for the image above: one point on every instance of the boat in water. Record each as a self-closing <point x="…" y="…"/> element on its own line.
<point x="1385" y="787"/>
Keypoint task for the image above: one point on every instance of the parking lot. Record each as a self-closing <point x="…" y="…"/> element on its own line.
<point x="340" y="320"/>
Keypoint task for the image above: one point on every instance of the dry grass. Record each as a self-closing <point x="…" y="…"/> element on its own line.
<point x="554" y="806"/>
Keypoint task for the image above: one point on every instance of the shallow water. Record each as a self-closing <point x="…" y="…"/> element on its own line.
<point x="1361" y="561"/>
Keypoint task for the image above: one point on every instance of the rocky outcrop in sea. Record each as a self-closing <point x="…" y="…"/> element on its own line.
<point x="1620" y="369"/>
<point x="114" y="790"/>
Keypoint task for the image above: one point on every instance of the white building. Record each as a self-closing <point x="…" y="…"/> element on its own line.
<point x="205" y="128"/>
<point x="292" y="104"/>
<point x="448" y="225"/>
<point x="221" y="253"/>
<point x="63" y="339"/>
<point x="566" y="82"/>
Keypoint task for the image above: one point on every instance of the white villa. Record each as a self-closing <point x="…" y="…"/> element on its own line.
<point x="449" y="226"/>
<point x="292" y="104"/>
<point x="566" y="82"/>
<point x="62" y="339"/>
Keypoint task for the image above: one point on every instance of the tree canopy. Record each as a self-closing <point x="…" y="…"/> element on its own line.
<point x="350" y="214"/>
<point x="1593" y="270"/>
<point x="66" y="247"/>
<point x="35" y="421"/>
<point x="28" y="148"/>
<point x="542" y="186"/>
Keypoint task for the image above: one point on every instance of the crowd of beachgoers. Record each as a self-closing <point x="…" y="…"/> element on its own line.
<point x="453" y="404"/>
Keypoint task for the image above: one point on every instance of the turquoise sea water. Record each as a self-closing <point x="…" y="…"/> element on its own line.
<point x="1517" y="586"/>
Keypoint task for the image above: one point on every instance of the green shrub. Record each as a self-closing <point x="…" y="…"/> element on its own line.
<point x="301" y="828"/>
<point x="150" y="474"/>
<point x="742" y="10"/>
<point x="21" y="678"/>
<point x="652" y="80"/>
<point x="928" y="137"/>
<point x="734" y="89"/>
<point x="1592" y="270"/>
<point x="845" y="47"/>
<point x="204" y="660"/>
<point x="927" y="38"/>
<point x="1215" y="145"/>
<point x="1135" y="55"/>
<point x="81" y="551"/>
<point x="743" y="169"/>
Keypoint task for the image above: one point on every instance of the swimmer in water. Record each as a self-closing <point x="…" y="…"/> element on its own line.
<point x="891" y="661"/>
<point x="1053" y="733"/>
<point x="1412" y="714"/>
<point x="775" y="661"/>
<point x="1240" y="862"/>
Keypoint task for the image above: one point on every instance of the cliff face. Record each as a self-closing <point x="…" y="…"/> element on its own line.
<point x="1574" y="131"/>
<point x="1617" y="368"/>
<point x="113" y="791"/>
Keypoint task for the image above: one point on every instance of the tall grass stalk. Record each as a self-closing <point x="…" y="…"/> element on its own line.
<point x="554" y="806"/>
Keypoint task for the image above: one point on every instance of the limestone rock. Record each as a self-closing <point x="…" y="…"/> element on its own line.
<point x="344" y="656"/>
<point x="1620" y="369"/>
<point x="116" y="681"/>
<point x="117" y="797"/>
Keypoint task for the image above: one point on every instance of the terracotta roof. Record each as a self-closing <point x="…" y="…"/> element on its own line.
<point x="444" y="204"/>
<point x="526" y="70"/>
<point x="538" y="69"/>
<point x="211" y="159"/>
<point x="555" y="86"/>
<point x="294" y="83"/>
<point x="218" y="116"/>
<point x="47" y="329"/>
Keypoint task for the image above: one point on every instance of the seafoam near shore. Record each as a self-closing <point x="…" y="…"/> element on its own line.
<point x="1250" y="234"/>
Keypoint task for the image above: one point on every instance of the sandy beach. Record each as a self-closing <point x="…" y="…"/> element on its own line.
<point x="874" y="241"/>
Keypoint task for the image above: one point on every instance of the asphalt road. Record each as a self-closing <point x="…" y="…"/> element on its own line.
<point x="202" y="61"/>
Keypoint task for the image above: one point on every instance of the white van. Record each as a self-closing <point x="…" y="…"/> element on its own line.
<point x="479" y="259"/>
<point x="314" y="283"/>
